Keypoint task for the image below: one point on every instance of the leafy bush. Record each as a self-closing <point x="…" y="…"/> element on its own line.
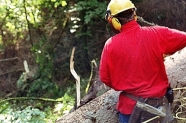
<point x="27" y="115"/>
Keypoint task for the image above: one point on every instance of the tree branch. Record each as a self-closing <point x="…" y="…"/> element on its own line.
<point x="30" y="98"/>
<point x="93" y="62"/>
<point x="8" y="59"/>
<point x="77" y="78"/>
<point x="28" y="23"/>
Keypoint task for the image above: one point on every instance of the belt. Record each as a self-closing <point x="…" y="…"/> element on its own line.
<point x="155" y="101"/>
<point x="151" y="101"/>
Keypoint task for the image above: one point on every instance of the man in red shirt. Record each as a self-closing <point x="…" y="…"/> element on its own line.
<point x="132" y="60"/>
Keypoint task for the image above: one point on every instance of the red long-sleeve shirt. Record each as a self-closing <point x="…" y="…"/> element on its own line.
<point x="132" y="61"/>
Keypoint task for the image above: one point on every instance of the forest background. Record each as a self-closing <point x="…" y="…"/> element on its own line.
<point x="36" y="41"/>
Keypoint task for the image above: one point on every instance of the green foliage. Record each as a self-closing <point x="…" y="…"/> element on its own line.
<point x="48" y="113"/>
<point x="27" y="115"/>
<point x="66" y="105"/>
<point x="44" y="58"/>
<point x="17" y="18"/>
<point x="91" y="9"/>
<point x="89" y="13"/>
<point x="59" y="3"/>
<point x="43" y="84"/>
<point x="13" y="18"/>
<point x="4" y="108"/>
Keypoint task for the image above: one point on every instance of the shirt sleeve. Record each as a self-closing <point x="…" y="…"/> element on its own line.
<point x="103" y="68"/>
<point x="173" y="40"/>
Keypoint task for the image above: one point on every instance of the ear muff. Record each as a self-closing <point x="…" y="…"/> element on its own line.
<point x="113" y="21"/>
<point x="116" y="24"/>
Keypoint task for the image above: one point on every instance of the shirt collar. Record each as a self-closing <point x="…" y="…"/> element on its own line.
<point x="130" y="25"/>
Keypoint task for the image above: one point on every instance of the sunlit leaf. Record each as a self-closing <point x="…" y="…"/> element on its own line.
<point x="10" y="25"/>
<point x="63" y="3"/>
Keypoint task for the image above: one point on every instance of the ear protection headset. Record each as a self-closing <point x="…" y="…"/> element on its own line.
<point x="113" y="20"/>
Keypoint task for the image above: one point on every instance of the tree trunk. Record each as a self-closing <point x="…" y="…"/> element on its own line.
<point x="102" y="109"/>
<point x="99" y="110"/>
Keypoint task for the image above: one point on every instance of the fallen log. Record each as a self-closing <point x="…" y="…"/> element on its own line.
<point x="102" y="109"/>
<point x="99" y="110"/>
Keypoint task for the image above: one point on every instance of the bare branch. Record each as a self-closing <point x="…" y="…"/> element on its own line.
<point x="77" y="78"/>
<point x="28" y="23"/>
<point x="12" y="71"/>
<point x="93" y="62"/>
<point x="30" y="98"/>
<point x="9" y="59"/>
